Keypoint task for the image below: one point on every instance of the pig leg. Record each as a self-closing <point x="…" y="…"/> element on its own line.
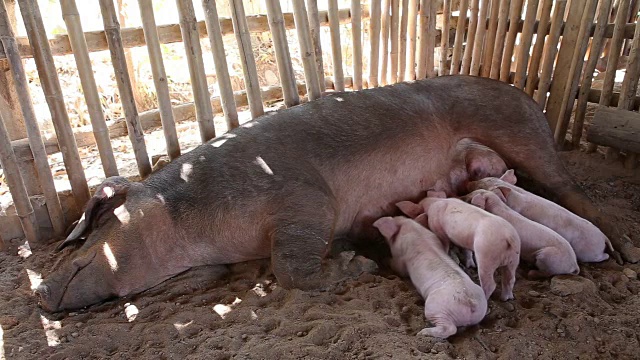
<point x="444" y="326"/>
<point x="468" y="259"/>
<point x="300" y="240"/>
<point x="508" y="280"/>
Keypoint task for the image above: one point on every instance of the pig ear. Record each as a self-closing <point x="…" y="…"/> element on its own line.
<point x="109" y="195"/>
<point x="478" y="200"/>
<point x="410" y="209"/>
<point x="436" y="194"/>
<point x="502" y="192"/>
<point x="387" y="226"/>
<point x="509" y="177"/>
<point x="422" y="219"/>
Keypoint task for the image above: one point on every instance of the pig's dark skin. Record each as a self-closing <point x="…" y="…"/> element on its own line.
<point x="283" y="186"/>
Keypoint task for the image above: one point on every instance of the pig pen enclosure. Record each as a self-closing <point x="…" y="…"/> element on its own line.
<point x="92" y="89"/>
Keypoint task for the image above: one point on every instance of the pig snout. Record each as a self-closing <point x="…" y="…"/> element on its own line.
<point x="43" y="293"/>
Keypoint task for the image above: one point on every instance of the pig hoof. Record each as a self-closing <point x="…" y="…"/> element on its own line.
<point x="440" y="332"/>
<point x="507" y="296"/>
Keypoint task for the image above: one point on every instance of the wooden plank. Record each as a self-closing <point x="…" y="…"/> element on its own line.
<point x="7" y="38"/>
<point x="550" y="52"/>
<point x="356" y="34"/>
<point x="53" y="94"/>
<point x="314" y="27"/>
<point x="616" y="128"/>
<point x="471" y="36"/>
<point x="431" y="40"/>
<point x="374" y="41"/>
<point x="630" y="86"/>
<point x="476" y="58"/>
<point x="460" y="32"/>
<point x="501" y="34"/>
<point x="283" y="57"/>
<point x="395" y="41"/>
<point x="306" y="50"/>
<point x="136" y="135"/>
<point x="485" y="68"/>
<point x="71" y="18"/>
<point x="220" y="63"/>
<point x="536" y="54"/>
<point x="526" y="38"/>
<point x="384" y="41"/>
<point x="336" y="48"/>
<point x="412" y="24"/>
<point x="515" y="14"/>
<point x="443" y="68"/>
<point x="402" y="53"/>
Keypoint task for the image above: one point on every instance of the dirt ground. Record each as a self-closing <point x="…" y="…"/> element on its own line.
<point x="240" y="312"/>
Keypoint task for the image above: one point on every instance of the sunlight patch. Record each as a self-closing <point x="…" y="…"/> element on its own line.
<point x="122" y="214"/>
<point x="111" y="259"/>
<point x="264" y="165"/>
<point x="339" y="98"/>
<point x="254" y="316"/>
<point x="219" y="142"/>
<point x="223" y="310"/>
<point x="51" y="328"/>
<point x="161" y="198"/>
<point x="1" y="344"/>
<point x="34" y="278"/>
<point x="108" y="190"/>
<point x="130" y="311"/>
<point x="249" y="124"/>
<point x="260" y="288"/>
<point x="24" y="250"/>
<point x="186" y="171"/>
<point x="181" y="327"/>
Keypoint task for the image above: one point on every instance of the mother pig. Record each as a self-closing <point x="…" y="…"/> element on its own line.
<point x="284" y="185"/>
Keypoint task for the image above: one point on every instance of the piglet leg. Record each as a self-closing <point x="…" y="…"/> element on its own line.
<point x="468" y="259"/>
<point x="444" y="327"/>
<point x="508" y="281"/>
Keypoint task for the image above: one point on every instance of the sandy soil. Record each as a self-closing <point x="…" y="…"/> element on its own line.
<point x="240" y="312"/>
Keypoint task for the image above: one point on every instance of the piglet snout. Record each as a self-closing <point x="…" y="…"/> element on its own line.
<point x="43" y="292"/>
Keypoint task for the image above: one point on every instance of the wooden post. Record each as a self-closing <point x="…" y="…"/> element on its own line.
<point x="587" y="77"/>
<point x="384" y="32"/>
<point x="471" y="36"/>
<point x="402" y="53"/>
<point x="444" y="38"/>
<point x="89" y="88"/>
<point x="336" y="48"/>
<point x="16" y="186"/>
<point x="550" y="51"/>
<point x="31" y="123"/>
<point x="476" y="58"/>
<point x="395" y="24"/>
<point x="514" y="22"/>
<point x="573" y="76"/>
<point x="485" y="69"/>
<point x="630" y="86"/>
<point x="423" y="15"/>
<point x="356" y="34"/>
<point x="159" y="77"/>
<point x="457" y="43"/>
<point x="53" y="94"/>
<point x="314" y="28"/>
<point x="306" y="49"/>
<point x="412" y="45"/>
<point x="431" y="39"/>
<point x="283" y="57"/>
<point x="501" y="33"/>
<point x="536" y="55"/>
<point x="136" y="135"/>
<point x="374" y="40"/>
<point x="526" y="38"/>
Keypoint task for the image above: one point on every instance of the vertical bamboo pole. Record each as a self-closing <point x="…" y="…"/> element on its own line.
<point x="374" y="39"/>
<point x="159" y="78"/>
<point x="444" y="38"/>
<point x="536" y="55"/>
<point x="575" y="69"/>
<point x="314" y="28"/>
<point x="384" y="32"/>
<point x="17" y="189"/>
<point x="412" y="45"/>
<point x="306" y="49"/>
<point x="402" y="53"/>
<point x="514" y="22"/>
<point x="501" y="34"/>
<point x="471" y="36"/>
<point x="336" y="48"/>
<point x="395" y="24"/>
<point x="283" y="57"/>
<point x="587" y="77"/>
<point x="89" y="88"/>
<point x="53" y="94"/>
<point x="481" y="29"/>
<point x="550" y="52"/>
<point x="8" y="40"/>
<point x="136" y="135"/>
<point x="459" y="39"/>
<point x="423" y="15"/>
<point x="630" y="86"/>
<point x="356" y="34"/>
<point x="491" y="38"/>
<point x="522" y="60"/>
<point x="227" y="100"/>
<point x="431" y="39"/>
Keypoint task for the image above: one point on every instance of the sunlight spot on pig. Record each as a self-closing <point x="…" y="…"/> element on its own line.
<point x="130" y="311"/>
<point x="108" y="190"/>
<point x="51" y="328"/>
<point x="111" y="259"/>
<point x="249" y="124"/>
<point x="122" y="214"/>
<point x="34" y="278"/>
<point x="339" y="98"/>
<point x="180" y="327"/>
<point x="1" y="344"/>
<point x="24" y="250"/>
<point x="186" y="171"/>
<point x="202" y="158"/>
<point x="264" y="165"/>
<point x="140" y="213"/>
<point x="219" y="142"/>
<point x="223" y="310"/>
<point x="161" y="198"/>
<point x="254" y="316"/>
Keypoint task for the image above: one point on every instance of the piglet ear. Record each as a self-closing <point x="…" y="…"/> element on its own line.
<point x="410" y="209"/>
<point x="422" y="219"/>
<point x="509" y="177"/>
<point x="502" y="192"/>
<point x="387" y="226"/>
<point x="436" y="194"/>
<point x="478" y="200"/>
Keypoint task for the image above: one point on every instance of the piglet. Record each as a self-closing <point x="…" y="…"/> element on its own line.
<point x="587" y="241"/>
<point x="495" y="242"/>
<point x="452" y="299"/>
<point x="541" y="246"/>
